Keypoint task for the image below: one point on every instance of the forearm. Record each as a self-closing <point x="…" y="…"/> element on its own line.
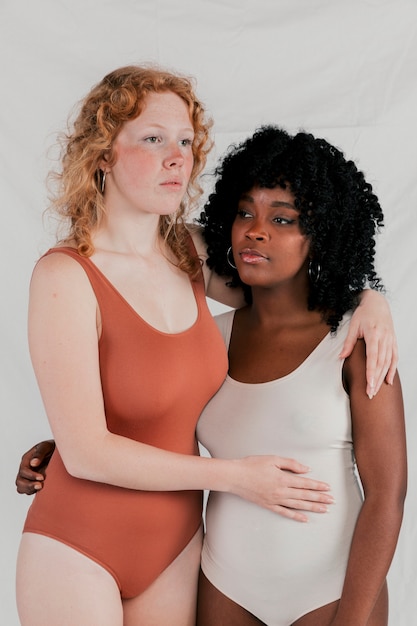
<point x="268" y="481"/>
<point x="371" y="553"/>
<point x="127" y="463"/>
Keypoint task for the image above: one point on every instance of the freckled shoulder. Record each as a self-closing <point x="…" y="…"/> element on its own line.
<point x="59" y="273"/>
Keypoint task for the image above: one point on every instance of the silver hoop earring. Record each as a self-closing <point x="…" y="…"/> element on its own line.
<point x="228" y="258"/>
<point x="103" y="182"/>
<point x="314" y="271"/>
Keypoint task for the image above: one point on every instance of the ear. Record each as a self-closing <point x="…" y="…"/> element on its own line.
<point x="104" y="163"/>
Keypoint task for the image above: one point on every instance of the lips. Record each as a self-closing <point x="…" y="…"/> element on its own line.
<point x="249" y="255"/>
<point x="174" y="183"/>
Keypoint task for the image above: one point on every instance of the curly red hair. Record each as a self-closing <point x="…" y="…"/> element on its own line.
<point x="119" y="97"/>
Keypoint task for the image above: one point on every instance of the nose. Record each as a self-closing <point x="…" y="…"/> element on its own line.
<point x="173" y="157"/>
<point x="256" y="231"/>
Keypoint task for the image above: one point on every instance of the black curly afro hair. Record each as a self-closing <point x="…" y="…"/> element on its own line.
<point x="339" y="212"/>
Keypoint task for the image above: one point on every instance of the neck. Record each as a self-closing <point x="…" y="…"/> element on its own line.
<point x="138" y="236"/>
<point x="281" y="306"/>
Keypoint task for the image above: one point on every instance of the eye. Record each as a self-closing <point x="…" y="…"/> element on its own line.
<point x="152" y="139"/>
<point x="186" y="142"/>
<point x="243" y="214"/>
<point x="283" y="220"/>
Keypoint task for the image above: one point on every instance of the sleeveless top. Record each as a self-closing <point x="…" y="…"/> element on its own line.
<point x="155" y="386"/>
<point x="276" y="568"/>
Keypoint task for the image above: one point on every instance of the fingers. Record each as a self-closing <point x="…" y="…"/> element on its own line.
<point x="31" y="474"/>
<point x="381" y="357"/>
<point x="381" y="363"/>
<point x="40" y="454"/>
<point x="389" y="378"/>
<point x="28" y="481"/>
<point x="372" y="355"/>
<point x="310" y="501"/>
<point x="299" y="482"/>
<point x="308" y="486"/>
<point x="394" y="364"/>
<point x="293" y="512"/>
<point x="291" y="464"/>
<point x="303" y="494"/>
<point x="297" y="516"/>
<point x="372" y="321"/>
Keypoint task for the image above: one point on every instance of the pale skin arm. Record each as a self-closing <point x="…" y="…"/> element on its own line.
<point x="216" y="286"/>
<point x="371" y="321"/>
<point x="64" y="349"/>
<point x="380" y="450"/>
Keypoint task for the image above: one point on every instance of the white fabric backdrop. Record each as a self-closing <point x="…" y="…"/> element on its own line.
<point x="344" y="69"/>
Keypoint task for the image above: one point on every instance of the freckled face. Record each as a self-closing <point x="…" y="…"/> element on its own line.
<point x="268" y="245"/>
<point x="154" y="158"/>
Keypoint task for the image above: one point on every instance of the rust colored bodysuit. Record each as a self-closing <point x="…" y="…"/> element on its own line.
<point x="155" y="386"/>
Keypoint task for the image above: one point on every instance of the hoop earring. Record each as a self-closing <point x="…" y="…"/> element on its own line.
<point x="314" y="271"/>
<point x="103" y="181"/>
<point x="228" y="258"/>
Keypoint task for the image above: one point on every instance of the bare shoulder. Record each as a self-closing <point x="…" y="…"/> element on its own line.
<point x="58" y="273"/>
<point x="58" y="264"/>
<point x="354" y="375"/>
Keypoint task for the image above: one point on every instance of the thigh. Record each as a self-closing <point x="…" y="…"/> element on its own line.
<point x="55" y="584"/>
<point x="319" y="617"/>
<point x="215" y="609"/>
<point x="325" y="614"/>
<point x="172" y="597"/>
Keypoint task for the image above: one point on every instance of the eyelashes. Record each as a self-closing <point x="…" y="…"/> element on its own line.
<point x="246" y="215"/>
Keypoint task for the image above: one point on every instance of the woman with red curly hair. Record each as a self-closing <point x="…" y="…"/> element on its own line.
<point x="126" y="355"/>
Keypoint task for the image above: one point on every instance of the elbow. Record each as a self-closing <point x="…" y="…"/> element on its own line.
<point x="80" y="465"/>
<point x="77" y="468"/>
<point x="389" y="499"/>
<point x="86" y="458"/>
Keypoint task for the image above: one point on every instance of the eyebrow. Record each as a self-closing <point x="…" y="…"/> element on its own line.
<point x="162" y="127"/>
<point x="275" y="204"/>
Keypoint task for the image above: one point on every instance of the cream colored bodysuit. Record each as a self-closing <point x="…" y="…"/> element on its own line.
<point x="274" y="567"/>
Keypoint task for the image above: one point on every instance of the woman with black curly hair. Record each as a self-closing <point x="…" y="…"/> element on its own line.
<point x="127" y="355"/>
<point x="294" y="222"/>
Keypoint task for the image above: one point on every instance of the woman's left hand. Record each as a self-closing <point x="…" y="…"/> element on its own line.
<point x="373" y="322"/>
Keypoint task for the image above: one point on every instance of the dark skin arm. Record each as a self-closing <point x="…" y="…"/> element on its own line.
<point x="380" y="451"/>
<point x="31" y="475"/>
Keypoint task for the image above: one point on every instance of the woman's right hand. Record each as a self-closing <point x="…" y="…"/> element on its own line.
<point x="31" y="475"/>
<point x="273" y="483"/>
